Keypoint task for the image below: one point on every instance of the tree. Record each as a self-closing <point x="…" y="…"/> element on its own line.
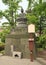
<point x="40" y="1"/>
<point x="39" y="9"/>
<point x="11" y="13"/>
<point x="30" y="2"/>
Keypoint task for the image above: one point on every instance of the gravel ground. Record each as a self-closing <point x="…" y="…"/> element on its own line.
<point x="6" y="60"/>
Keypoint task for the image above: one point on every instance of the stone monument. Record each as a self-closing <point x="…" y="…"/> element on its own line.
<point x="19" y="37"/>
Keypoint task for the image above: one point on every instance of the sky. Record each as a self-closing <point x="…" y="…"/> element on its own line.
<point x="24" y="4"/>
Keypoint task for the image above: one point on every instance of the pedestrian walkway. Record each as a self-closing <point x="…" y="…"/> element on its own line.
<point x="1" y="54"/>
<point x="42" y="61"/>
<point x="6" y="60"/>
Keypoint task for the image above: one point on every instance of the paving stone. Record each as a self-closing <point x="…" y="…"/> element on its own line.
<point x="6" y="60"/>
<point x="42" y="61"/>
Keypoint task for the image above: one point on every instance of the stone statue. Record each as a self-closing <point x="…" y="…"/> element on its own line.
<point x="22" y="10"/>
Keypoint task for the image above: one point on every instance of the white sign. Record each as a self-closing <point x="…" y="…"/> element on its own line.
<point x="31" y="28"/>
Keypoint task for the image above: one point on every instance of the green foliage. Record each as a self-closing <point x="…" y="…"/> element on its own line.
<point x="40" y="49"/>
<point x="39" y="9"/>
<point x="11" y="13"/>
<point x="1" y="14"/>
<point x="2" y="45"/>
<point x="7" y="2"/>
<point x="31" y="19"/>
<point x="3" y="39"/>
<point x="3" y="52"/>
<point x="41" y="41"/>
<point x="40" y="1"/>
<point x="30" y="2"/>
<point x="3" y="34"/>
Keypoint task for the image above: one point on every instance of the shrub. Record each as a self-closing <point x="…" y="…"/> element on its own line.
<point x="2" y="45"/>
<point x="3" y="52"/>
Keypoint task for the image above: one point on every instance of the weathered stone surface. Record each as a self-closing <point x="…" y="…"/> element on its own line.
<point x="19" y="39"/>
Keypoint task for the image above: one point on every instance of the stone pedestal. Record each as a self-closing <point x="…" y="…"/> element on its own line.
<point x="20" y="43"/>
<point x="19" y="38"/>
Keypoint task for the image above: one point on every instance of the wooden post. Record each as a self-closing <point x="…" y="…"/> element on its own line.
<point x="31" y="48"/>
<point x="31" y="31"/>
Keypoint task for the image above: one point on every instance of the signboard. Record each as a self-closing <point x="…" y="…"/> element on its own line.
<point x="31" y="28"/>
